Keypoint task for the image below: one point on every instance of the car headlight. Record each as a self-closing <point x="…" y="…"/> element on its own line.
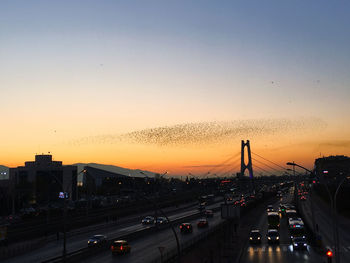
<point x="259" y="238"/>
<point x="251" y="238"/>
<point x="305" y="244"/>
<point x="296" y="245"/>
<point x="277" y="238"/>
<point x="269" y="238"/>
<point x="95" y="242"/>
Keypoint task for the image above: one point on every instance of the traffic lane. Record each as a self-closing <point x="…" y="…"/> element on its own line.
<point x="282" y="252"/>
<point x="146" y="249"/>
<point x="54" y="249"/>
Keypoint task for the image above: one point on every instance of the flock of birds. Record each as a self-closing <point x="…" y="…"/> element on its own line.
<point x="208" y="132"/>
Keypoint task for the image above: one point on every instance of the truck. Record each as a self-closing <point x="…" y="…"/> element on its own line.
<point x="273" y="220"/>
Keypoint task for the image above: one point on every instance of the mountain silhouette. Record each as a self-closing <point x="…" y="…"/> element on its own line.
<point x="115" y="169"/>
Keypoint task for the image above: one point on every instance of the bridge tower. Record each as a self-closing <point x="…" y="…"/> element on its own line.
<point x="249" y="165"/>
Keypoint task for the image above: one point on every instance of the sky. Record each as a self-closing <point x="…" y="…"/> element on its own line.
<point x="174" y="85"/>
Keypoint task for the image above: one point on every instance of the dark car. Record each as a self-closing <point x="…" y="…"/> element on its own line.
<point x="209" y="213"/>
<point x="273" y="236"/>
<point x="269" y="208"/>
<point x="299" y="243"/>
<point x="186" y="228"/>
<point x="120" y="247"/>
<point x="161" y="220"/>
<point x="255" y="237"/>
<point x="148" y="220"/>
<point x="97" y="240"/>
<point x="202" y="223"/>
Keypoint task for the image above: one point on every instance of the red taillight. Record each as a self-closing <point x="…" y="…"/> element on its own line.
<point x="329" y="253"/>
<point x="180" y="227"/>
<point x="188" y="227"/>
<point x="121" y="247"/>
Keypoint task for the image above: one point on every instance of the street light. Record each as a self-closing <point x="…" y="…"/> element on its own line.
<point x="311" y="201"/>
<point x="337" y="258"/>
<point x="294" y="164"/>
<point x="171" y="225"/>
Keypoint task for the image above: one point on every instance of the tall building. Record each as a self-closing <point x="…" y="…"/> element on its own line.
<point x="333" y="166"/>
<point x="41" y="181"/>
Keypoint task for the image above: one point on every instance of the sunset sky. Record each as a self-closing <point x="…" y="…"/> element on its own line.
<point x="174" y="85"/>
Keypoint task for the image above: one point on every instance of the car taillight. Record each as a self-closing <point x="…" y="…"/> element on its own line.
<point x="121" y="247"/>
<point x="188" y="227"/>
<point x="180" y="227"/>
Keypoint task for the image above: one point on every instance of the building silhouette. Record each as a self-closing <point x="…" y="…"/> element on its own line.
<point x="41" y="181"/>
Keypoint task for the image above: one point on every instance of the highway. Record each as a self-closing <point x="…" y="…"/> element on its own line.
<point x="323" y="219"/>
<point x="279" y="253"/>
<point x="54" y="248"/>
<point x="146" y="249"/>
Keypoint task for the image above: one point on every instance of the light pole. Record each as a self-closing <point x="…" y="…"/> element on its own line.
<point x="64" y="196"/>
<point x="337" y="258"/>
<point x="171" y="225"/>
<point x="311" y="201"/>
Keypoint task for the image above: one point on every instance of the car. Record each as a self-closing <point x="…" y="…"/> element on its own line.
<point x="295" y="222"/>
<point x="120" y="247"/>
<point x="148" y="220"/>
<point x="269" y="208"/>
<point x="255" y="237"/>
<point x="161" y="220"/>
<point x="273" y="236"/>
<point x="202" y="223"/>
<point x="209" y="213"/>
<point x="186" y="228"/>
<point x="299" y="243"/>
<point x="97" y="240"/>
<point x="291" y="213"/>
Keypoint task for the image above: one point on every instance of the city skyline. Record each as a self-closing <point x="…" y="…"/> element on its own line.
<point x="174" y="86"/>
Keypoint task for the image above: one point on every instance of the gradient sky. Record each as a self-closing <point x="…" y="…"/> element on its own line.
<point x="77" y="75"/>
